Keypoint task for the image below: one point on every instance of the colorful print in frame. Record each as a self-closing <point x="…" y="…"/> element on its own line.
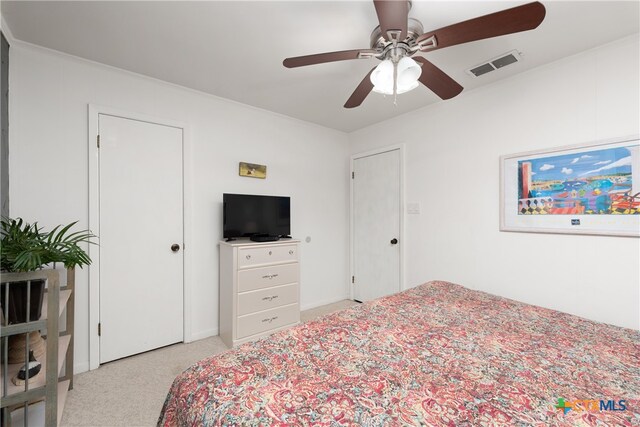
<point x="596" y="182"/>
<point x="588" y="189"/>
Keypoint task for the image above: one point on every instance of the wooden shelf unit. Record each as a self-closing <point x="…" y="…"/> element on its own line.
<point x="39" y="380"/>
<point x="48" y="385"/>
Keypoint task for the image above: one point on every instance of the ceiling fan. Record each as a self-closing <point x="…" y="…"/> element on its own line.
<point x="398" y="39"/>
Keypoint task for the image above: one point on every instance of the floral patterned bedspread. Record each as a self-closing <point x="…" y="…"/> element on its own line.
<point x="435" y="355"/>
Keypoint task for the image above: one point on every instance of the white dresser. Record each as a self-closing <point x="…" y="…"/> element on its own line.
<point x="259" y="288"/>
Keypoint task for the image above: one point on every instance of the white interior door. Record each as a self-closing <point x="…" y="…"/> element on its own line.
<point x="141" y="207"/>
<point x="376" y="225"/>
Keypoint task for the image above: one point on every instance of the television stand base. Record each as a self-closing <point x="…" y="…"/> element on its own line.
<point x="230" y="239"/>
<point x="264" y="238"/>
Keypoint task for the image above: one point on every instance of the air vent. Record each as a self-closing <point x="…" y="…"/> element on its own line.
<point x="495" y="63"/>
<point x="482" y="69"/>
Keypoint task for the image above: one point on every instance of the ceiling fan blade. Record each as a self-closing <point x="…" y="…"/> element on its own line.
<point x="361" y="92"/>
<point x="393" y="16"/>
<point x="319" y="58"/>
<point x="437" y="80"/>
<point x="509" y="21"/>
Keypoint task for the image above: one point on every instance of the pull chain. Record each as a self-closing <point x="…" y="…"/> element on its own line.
<point x="395" y="83"/>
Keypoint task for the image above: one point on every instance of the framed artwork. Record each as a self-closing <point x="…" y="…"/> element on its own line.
<point x="253" y="170"/>
<point x="584" y="189"/>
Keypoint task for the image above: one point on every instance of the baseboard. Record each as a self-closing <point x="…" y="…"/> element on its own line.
<point x="323" y="302"/>
<point x="202" y="335"/>
<point x="80" y="367"/>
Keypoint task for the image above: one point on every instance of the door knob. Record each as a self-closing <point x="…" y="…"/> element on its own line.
<point x="394" y="241"/>
<point x="175" y="247"/>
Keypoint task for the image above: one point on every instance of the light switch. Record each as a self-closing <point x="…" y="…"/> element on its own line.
<point x="413" y="208"/>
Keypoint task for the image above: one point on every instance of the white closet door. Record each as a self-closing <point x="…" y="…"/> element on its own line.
<point x="376" y="222"/>
<point x="141" y="218"/>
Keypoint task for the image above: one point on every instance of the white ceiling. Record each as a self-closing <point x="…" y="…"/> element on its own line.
<point x="235" y="49"/>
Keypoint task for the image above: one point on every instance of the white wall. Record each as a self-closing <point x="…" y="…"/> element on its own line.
<point x="452" y="151"/>
<point x="452" y="155"/>
<point x="49" y="169"/>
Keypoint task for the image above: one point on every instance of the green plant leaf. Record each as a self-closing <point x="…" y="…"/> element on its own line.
<point x="25" y="247"/>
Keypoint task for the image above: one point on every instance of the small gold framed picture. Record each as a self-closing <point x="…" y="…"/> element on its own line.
<point x="253" y="170"/>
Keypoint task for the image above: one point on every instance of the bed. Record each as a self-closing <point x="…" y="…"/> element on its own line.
<point x="436" y="355"/>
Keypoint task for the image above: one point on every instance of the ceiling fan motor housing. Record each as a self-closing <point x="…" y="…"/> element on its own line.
<point x="395" y="50"/>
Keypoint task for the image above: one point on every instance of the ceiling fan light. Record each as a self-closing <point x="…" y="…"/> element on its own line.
<point x="382" y="76"/>
<point x="388" y="88"/>
<point x="408" y="72"/>
<point x="385" y="90"/>
<point x="407" y="88"/>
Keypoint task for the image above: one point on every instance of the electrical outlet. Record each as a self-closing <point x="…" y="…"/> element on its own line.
<point x="413" y="208"/>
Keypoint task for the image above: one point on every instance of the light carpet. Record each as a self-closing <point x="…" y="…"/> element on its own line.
<point x="131" y="391"/>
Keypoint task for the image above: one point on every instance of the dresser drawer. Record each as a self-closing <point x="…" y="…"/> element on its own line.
<point x="249" y="257"/>
<point x="266" y="277"/>
<point x="265" y="299"/>
<point x="263" y="321"/>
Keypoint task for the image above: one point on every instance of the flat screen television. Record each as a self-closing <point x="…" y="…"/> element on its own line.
<point x="246" y="215"/>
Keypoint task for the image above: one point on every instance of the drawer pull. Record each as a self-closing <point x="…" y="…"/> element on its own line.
<point x="248" y="256"/>
<point x="269" y="276"/>
<point x="271" y="298"/>
<point x="291" y="252"/>
<point x="269" y="320"/>
<point x="269" y="252"/>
